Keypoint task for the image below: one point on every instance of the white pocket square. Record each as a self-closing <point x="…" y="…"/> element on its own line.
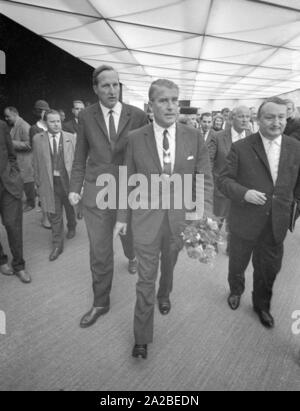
<point x="190" y="158"/>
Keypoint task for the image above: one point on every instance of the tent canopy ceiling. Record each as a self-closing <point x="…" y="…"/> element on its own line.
<point x="214" y="49"/>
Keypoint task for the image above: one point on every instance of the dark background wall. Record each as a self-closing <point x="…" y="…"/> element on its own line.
<point x="36" y="69"/>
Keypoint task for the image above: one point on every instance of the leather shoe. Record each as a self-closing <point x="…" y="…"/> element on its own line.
<point x="55" y="253"/>
<point x="234" y="301"/>
<point x="164" y="307"/>
<point x="27" y="208"/>
<point x="71" y="233"/>
<point x="92" y="316"/>
<point x="23" y="276"/>
<point x="6" y="270"/>
<point x="140" y="351"/>
<point x="265" y="318"/>
<point x="132" y="266"/>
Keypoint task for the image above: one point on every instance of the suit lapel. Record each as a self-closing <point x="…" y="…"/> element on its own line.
<point x="100" y="121"/>
<point x="124" y="119"/>
<point x="151" y="144"/>
<point x="283" y="158"/>
<point x="66" y="145"/>
<point x="260" y="151"/>
<point x="180" y="151"/>
<point x="47" y="155"/>
<point x="228" y="139"/>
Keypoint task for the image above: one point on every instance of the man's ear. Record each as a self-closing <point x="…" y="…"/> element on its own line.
<point x="95" y="88"/>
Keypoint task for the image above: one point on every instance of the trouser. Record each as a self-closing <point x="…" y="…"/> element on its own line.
<point x="100" y="225"/>
<point x="56" y="219"/>
<point x="267" y="260"/>
<point x="12" y="217"/>
<point x="29" y="190"/>
<point x="148" y="261"/>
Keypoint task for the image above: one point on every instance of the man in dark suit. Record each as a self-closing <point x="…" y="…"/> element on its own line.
<point x="261" y="178"/>
<point x="100" y="148"/>
<point x="11" y="188"/>
<point x="72" y="125"/>
<point x="292" y="128"/>
<point x="206" y="127"/>
<point x="219" y="147"/>
<point x="163" y="150"/>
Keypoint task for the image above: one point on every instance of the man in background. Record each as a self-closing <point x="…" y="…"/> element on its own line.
<point x="293" y="123"/>
<point x="53" y="152"/>
<point x="72" y="125"/>
<point x="206" y="127"/>
<point x="219" y="147"/>
<point x="11" y="189"/>
<point x="21" y="142"/>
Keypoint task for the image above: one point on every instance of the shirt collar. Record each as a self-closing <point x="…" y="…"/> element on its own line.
<point x="277" y="140"/>
<point x="234" y="133"/>
<point x="159" y="130"/>
<point x="116" y="109"/>
<point x="57" y="135"/>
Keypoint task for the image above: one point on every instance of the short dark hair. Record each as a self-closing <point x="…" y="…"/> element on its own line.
<point x="48" y="112"/>
<point x="225" y="109"/>
<point x="161" y="83"/>
<point x="77" y="102"/>
<point x="100" y="70"/>
<point x="275" y="100"/>
<point x="12" y="109"/>
<point x="205" y="115"/>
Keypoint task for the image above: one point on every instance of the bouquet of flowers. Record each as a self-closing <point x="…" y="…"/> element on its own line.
<point x="201" y="240"/>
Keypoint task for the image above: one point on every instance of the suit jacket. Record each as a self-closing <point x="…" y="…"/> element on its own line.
<point x="211" y="133"/>
<point x="247" y="168"/>
<point x="71" y="126"/>
<point x="21" y="141"/>
<point x="9" y="170"/>
<point x="94" y="155"/>
<point x="219" y="148"/>
<point x="293" y="128"/>
<point x="43" y="166"/>
<point x="142" y="157"/>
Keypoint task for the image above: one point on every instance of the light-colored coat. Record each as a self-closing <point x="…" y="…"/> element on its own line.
<point x="21" y="142"/>
<point x="43" y="166"/>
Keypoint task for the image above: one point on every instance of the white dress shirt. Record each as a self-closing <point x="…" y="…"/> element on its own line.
<point x="116" y="114"/>
<point x="273" y="151"/>
<point x="159" y="138"/>
<point x="237" y="136"/>
<point x="57" y="138"/>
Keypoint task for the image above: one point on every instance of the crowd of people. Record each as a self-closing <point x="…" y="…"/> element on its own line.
<point x="249" y="157"/>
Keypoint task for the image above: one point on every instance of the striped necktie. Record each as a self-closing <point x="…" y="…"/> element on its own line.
<point x="167" y="169"/>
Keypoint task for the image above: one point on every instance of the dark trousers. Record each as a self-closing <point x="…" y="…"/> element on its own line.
<point x="100" y="225"/>
<point x="12" y="218"/>
<point x="148" y="261"/>
<point x="29" y="190"/>
<point x="56" y="219"/>
<point x="267" y="260"/>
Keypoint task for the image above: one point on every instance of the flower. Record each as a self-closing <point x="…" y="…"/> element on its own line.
<point x="201" y="240"/>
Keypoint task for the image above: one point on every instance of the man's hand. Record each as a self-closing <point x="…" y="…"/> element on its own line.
<point x="120" y="229"/>
<point x="255" y="197"/>
<point x="74" y="199"/>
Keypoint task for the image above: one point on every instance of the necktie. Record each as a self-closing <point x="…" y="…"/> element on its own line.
<point x="112" y="129"/>
<point x="55" y="153"/>
<point x="167" y="169"/>
<point x="273" y="161"/>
